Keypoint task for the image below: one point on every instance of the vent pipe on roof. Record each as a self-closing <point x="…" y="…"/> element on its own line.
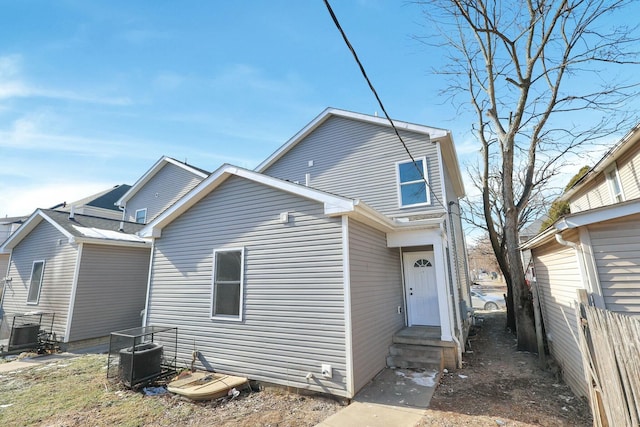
<point x="72" y="212"/>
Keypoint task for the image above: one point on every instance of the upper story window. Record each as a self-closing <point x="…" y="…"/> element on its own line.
<point x="141" y="216"/>
<point x="35" y="283"/>
<point x="226" y="298"/>
<point x="412" y="188"/>
<point x="613" y="178"/>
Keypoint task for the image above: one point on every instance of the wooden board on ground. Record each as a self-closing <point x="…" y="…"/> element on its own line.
<point x="204" y="385"/>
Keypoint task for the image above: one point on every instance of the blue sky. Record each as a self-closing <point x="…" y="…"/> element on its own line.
<point x="92" y="93"/>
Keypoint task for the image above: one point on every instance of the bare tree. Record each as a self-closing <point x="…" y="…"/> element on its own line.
<point x="530" y="71"/>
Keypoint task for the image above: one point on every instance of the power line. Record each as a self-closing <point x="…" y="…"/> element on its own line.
<point x="375" y="93"/>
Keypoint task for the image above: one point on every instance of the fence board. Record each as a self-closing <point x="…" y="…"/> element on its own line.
<point x="610" y="344"/>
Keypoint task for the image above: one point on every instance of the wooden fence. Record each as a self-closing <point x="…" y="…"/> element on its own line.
<point x="610" y="344"/>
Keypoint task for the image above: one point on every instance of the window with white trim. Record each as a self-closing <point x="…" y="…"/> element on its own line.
<point x="613" y="178"/>
<point x="227" y="288"/>
<point x="35" y="282"/>
<point x="412" y="184"/>
<point x="141" y="216"/>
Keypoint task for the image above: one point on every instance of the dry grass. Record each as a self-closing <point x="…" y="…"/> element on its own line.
<point x="76" y="392"/>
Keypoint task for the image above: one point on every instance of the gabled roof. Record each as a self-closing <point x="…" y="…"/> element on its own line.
<point x="80" y="228"/>
<point x="157" y="167"/>
<point x="621" y="147"/>
<point x="105" y="199"/>
<point x="441" y="136"/>
<point x="333" y="204"/>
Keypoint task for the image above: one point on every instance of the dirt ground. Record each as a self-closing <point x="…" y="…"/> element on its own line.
<point x="500" y="386"/>
<point x="497" y="386"/>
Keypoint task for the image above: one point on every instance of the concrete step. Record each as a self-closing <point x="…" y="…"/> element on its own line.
<point x="414" y="357"/>
<point x="403" y="363"/>
<point x="415" y="351"/>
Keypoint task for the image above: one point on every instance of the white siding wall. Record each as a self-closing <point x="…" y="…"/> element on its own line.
<point x="558" y="279"/>
<point x="594" y="195"/>
<point x="376" y="294"/>
<point x="357" y="159"/>
<point x="629" y="171"/>
<point x="293" y="297"/>
<point x="616" y="249"/>
<point x="44" y="242"/>
<point x="163" y="190"/>
<point x="111" y="290"/>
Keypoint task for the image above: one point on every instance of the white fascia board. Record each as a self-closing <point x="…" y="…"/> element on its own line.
<point x="433" y="133"/>
<point x="367" y="215"/>
<point x="593" y="216"/>
<point x="542" y="238"/>
<point x="426" y="236"/>
<point x="28" y="226"/>
<point x="449" y="156"/>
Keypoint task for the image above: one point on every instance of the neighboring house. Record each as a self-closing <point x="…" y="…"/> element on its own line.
<point x="8" y="226"/>
<point x="102" y="205"/>
<point x="160" y="187"/>
<point x="596" y="247"/>
<point x="302" y="272"/>
<point x="91" y="272"/>
<point x="95" y="283"/>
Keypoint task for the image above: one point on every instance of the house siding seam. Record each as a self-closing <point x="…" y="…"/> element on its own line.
<point x="558" y="279"/>
<point x="110" y="291"/>
<point x="339" y="148"/>
<point x="616" y="251"/>
<point x="293" y="318"/>
<point x="169" y="184"/>
<point x="376" y="294"/>
<point x="44" y="242"/>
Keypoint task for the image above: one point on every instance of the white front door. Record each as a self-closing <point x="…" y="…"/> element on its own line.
<point x="421" y="289"/>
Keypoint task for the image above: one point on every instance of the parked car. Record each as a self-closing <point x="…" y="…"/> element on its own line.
<point x="483" y="301"/>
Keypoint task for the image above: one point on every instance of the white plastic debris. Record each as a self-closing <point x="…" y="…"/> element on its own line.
<point x="463" y="376"/>
<point x="233" y="393"/>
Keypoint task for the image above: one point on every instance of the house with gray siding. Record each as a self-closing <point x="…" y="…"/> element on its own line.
<point x="90" y="272"/>
<point x="305" y="271"/>
<point x="160" y="187"/>
<point x="594" y="248"/>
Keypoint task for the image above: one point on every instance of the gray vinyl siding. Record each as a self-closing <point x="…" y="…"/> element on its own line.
<point x="376" y="294"/>
<point x="4" y="266"/>
<point x="99" y="212"/>
<point x="616" y="250"/>
<point x="46" y="243"/>
<point x="163" y="190"/>
<point x="558" y="279"/>
<point x="358" y="160"/>
<point x="111" y="290"/>
<point x="293" y="315"/>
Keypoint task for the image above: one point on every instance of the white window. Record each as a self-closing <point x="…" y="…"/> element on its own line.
<point x="412" y="183"/>
<point x="227" y="289"/>
<point x="613" y="178"/>
<point x="35" y="282"/>
<point x="141" y="216"/>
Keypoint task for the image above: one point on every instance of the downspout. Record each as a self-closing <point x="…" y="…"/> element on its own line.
<point x="455" y="283"/>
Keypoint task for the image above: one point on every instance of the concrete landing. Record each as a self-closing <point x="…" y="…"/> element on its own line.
<point x="395" y="397"/>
